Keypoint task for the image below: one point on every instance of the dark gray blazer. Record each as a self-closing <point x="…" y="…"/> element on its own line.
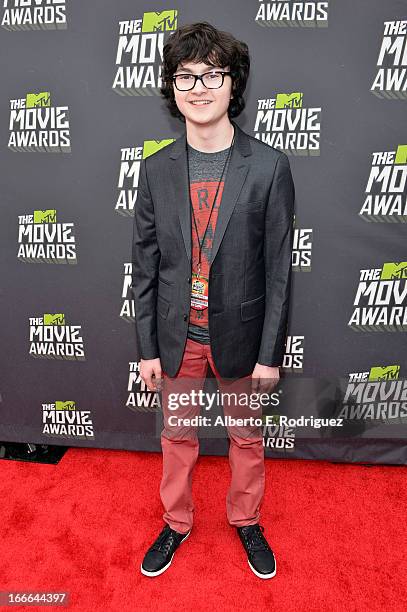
<point x="250" y="272"/>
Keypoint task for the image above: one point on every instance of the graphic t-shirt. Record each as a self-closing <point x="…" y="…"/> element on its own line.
<point x="205" y="170"/>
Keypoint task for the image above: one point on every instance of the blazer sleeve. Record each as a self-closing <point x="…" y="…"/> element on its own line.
<point x="145" y="264"/>
<point x="278" y="244"/>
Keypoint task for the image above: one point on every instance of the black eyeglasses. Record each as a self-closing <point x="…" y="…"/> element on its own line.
<point x="211" y="80"/>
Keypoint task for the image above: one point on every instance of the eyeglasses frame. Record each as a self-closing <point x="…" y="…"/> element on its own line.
<point x="199" y="77"/>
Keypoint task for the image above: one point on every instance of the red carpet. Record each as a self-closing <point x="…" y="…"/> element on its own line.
<point x="338" y="532"/>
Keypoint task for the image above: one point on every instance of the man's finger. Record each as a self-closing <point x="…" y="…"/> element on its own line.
<point x="267" y="387"/>
<point x="255" y="384"/>
<point x="157" y="380"/>
<point x="148" y="379"/>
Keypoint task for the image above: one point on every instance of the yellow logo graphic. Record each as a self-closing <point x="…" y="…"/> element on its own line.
<point x="54" y="319"/>
<point x="41" y="99"/>
<point x="45" y="216"/>
<point x="392" y="271"/>
<point x="401" y="155"/>
<point x="292" y="100"/>
<point x="274" y="418"/>
<point x="160" y="22"/>
<point x="152" y="146"/>
<point x="64" y="405"/>
<point x="384" y="372"/>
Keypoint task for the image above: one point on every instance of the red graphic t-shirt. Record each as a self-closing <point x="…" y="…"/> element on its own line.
<point x="205" y="171"/>
<point x="202" y="198"/>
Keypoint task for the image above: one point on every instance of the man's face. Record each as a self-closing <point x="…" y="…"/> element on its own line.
<point x="218" y="99"/>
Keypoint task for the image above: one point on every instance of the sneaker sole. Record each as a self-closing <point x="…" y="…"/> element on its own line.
<point x="264" y="576"/>
<point x="158" y="572"/>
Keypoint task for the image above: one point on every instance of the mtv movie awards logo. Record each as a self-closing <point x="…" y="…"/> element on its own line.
<point x="305" y="13"/>
<point x="127" y="311"/>
<point x="276" y="435"/>
<point x="391" y="78"/>
<point x="65" y="420"/>
<point x="51" y="338"/>
<point x="302" y="250"/>
<point x="36" y="126"/>
<point x="34" y="15"/>
<point x="279" y="429"/>
<point x="140" y="53"/>
<point x="386" y="187"/>
<point x="41" y="239"/>
<point x="381" y="296"/>
<point x="294" y="353"/>
<point x="139" y="398"/>
<point x="283" y="122"/>
<point x="129" y="172"/>
<point x="376" y="395"/>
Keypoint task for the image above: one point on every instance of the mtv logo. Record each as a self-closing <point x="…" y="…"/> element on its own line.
<point x="391" y="271"/>
<point x="164" y="21"/>
<point x="45" y="216"/>
<point x="401" y="155"/>
<point x="41" y="99"/>
<point x="384" y="373"/>
<point x="274" y="418"/>
<point x="64" y="405"/>
<point x="293" y="100"/>
<point x="152" y="146"/>
<point x="54" y="319"/>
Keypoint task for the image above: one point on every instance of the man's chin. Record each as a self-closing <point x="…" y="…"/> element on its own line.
<point x="209" y="119"/>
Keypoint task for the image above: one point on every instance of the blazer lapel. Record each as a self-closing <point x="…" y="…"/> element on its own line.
<point x="234" y="181"/>
<point x="237" y="172"/>
<point x="180" y="189"/>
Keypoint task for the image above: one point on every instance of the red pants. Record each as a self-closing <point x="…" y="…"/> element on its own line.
<point x="180" y="447"/>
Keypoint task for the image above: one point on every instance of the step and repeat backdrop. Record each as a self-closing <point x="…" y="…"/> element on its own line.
<point x="80" y="108"/>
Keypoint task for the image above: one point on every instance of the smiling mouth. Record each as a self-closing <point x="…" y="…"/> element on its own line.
<point x="200" y="102"/>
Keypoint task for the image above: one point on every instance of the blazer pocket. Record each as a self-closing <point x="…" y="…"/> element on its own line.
<point x="248" y="207"/>
<point x="165" y="290"/>
<point x="162" y="307"/>
<point x="252" y="308"/>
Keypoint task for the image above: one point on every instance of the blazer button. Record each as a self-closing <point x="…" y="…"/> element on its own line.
<point x="185" y="317"/>
<point x="188" y="279"/>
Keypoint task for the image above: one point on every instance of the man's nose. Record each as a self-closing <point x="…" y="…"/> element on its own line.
<point x="199" y="86"/>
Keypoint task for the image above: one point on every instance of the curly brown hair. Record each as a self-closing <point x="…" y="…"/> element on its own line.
<point x="202" y="42"/>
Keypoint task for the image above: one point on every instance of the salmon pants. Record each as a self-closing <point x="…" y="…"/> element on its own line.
<point x="180" y="445"/>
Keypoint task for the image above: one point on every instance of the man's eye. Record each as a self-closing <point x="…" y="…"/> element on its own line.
<point x="184" y="77"/>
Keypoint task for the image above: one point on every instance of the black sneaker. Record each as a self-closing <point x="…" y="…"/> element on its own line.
<point x="159" y="556"/>
<point x="259" y="554"/>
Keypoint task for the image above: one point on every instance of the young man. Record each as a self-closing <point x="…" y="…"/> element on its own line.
<point x="212" y="247"/>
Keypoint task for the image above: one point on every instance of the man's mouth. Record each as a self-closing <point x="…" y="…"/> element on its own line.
<point x="200" y="102"/>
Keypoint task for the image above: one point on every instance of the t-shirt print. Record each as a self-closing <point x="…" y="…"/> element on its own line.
<point x="205" y="171"/>
<point x="202" y="197"/>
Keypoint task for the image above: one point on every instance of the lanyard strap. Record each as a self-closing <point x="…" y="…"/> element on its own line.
<point x="213" y="203"/>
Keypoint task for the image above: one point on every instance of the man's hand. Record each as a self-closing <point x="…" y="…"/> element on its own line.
<point x="264" y="378"/>
<point x="150" y="372"/>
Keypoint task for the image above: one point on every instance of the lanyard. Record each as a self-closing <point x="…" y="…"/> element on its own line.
<point x="213" y="204"/>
